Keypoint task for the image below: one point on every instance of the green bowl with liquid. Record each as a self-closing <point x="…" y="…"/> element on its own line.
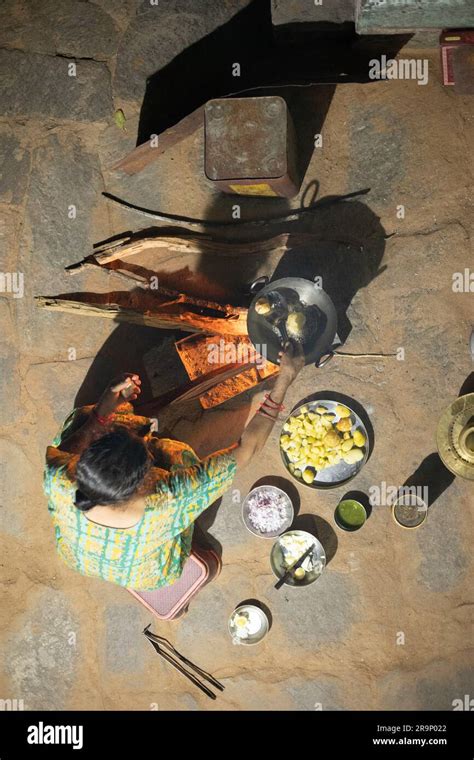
<point x="350" y="515"/>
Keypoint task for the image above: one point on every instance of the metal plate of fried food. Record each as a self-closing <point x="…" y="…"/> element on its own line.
<point x="333" y="475"/>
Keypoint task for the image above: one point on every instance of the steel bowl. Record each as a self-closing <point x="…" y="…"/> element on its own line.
<point x="345" y="525"/>
<point x="341" y="473"/>
<point x="279" y="566"/>
<point x="253" y="638"/>
<point x="318" y="346"/>
<point x="286" y="524"/>
<point x="416" y="510"/>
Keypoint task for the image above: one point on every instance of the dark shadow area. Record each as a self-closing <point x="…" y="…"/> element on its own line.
<point x="203" y="70"/>
<point x="321" y="529"/>
<point x="467" y="386"/>
<point x="230" y="275"/>
<point x="356" y="406"/>
<point x="361" y="497"/>
<point x="344" y="246"/>
<point x="203" y="525"/>
<point x="433" y="475"/>
<point x="308" y="107"/>
<point x="124" y="351"/>
<point x="347" y="256"/>
<point x="284" y="485"/>
<point x="311" y="32"/>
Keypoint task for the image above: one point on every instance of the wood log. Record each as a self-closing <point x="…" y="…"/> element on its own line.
<point x="198" y="246"/>
<point x="148" y="152"/>
<point x="164" y="316"/>
<point x="192" y="245"/>
<point x="174" y="296"/>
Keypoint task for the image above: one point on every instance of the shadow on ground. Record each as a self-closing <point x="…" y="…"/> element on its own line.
<point x="321" y="529"/>
<point x="345" y="250"/>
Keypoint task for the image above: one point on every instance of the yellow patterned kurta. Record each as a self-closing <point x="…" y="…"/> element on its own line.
<point x="152" y="553"/>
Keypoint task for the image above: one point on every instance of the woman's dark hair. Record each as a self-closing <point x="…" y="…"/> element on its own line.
<point x="111" y="469"/>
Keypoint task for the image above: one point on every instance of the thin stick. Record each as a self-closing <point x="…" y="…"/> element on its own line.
<point x="192" y="223"/>
<point x="364" y="356"/>
<point x="181" y="669"/>
<point x="164" y="642"/>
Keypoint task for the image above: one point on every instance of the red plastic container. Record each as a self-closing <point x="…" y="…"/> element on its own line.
<point x="172" y="601"/>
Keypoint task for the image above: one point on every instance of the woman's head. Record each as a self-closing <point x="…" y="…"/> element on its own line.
<point x="111" y="469"/>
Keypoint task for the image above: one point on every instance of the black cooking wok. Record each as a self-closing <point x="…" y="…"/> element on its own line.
<point x="319" y="344"/>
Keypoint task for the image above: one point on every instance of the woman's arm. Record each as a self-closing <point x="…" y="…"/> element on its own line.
<point x="126" y="386"/>
<point x="260" y="426"/>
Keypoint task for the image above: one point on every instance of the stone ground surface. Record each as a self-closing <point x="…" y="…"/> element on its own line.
<point x="75" y="643"/>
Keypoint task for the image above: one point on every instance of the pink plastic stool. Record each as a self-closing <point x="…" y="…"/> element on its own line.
<point x="170" y="602"/>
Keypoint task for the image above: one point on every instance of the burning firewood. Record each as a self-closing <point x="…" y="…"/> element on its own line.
<point x="168" y="310"/>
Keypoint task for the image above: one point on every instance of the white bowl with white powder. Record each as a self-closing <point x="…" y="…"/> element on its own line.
<point x="267" y="511"/>
<point x="248" y="625"/>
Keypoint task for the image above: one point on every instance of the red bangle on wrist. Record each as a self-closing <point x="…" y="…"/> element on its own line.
<point x="103" y="420"/>
<point x="271" y="403"/>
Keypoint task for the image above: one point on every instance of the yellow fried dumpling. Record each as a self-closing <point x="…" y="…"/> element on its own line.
<point x="331" y="439"/>
<point x="343" y="411"/>
<point x="321" y="410"/>
<point x="263" y="306"/>
<point x="308" y="475"/>
<point x="359" y="438"/>
<point x="295" y="323"/>
<point x="347" y="445"/>
<point x="353" y="456"/>
<point x="344" y="424"/>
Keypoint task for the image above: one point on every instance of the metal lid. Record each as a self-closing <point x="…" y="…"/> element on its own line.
<point x="246" y="138"/>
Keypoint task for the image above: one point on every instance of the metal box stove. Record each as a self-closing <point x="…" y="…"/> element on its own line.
<point x="250" y="147"/>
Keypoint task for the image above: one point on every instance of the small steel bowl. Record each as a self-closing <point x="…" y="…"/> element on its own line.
<point x="347" y="526"/>
<point x="279" y="566"/>
<point x="413" y="504"/>
<point x="285" y="525"/>
<point x="254" y="638"/>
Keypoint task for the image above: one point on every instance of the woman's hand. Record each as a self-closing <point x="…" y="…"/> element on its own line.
<point x="124" y="387"/>
<point x="291" y="361"/>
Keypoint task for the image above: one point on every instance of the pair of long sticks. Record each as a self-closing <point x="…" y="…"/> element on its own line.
<point x="193" y="672"/>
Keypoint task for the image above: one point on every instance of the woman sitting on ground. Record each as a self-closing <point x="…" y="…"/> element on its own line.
<point x="123" y="501"/>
